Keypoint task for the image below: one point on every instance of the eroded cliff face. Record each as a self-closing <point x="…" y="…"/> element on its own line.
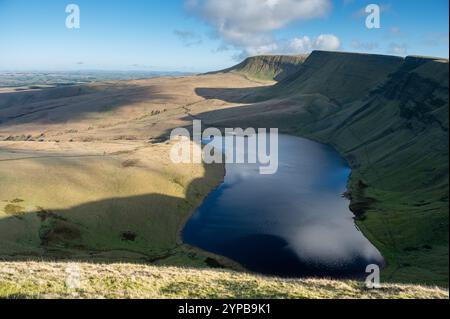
<point x="420" y="88"/>
<point x="378" y="109"/>
<point x="397" y="138"/>
<point x="269" y="67"/>
<point x="342" y="77"/>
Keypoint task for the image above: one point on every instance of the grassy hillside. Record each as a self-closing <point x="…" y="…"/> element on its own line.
<point x="48" y="280"/>
<point x="123" y="204"/>
<point x="389" y="117"/>
<point x="396" y="139"/>
<point x="341" y="77"/>
<point x="82" y="177"/>
<point x="268" y="67"/>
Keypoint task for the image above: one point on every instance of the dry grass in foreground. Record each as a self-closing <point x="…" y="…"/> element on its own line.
<point x="49" y="280"/>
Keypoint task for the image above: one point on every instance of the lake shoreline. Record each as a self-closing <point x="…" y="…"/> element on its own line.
<point x="222" y="261"/>
<point x="347" y="192"/>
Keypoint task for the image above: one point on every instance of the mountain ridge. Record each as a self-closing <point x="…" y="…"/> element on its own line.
<point x="388" y="116"/>
<point x="267" y="67"/>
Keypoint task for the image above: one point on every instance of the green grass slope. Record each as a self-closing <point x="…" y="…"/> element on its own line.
<point x="389" y="117"/>
<point x="396" y="140"/>
<point x="126" y="205"/>
<point x="48" y="280"/>
<point x="268" y="67"/>
<point x="339" y="76"/>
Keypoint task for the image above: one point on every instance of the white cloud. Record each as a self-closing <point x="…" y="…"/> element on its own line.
<point x="249" y="16"/>
<point x="188" y="38"/>
<point x="248" y="25"/>
<point x="327" y="42"/>
<point x="398" y="49"/>
<point x="396" y="32"/>
<point x="366" y="46"/>
<point x="299" y="45"/>
<point x="436" y="39"/>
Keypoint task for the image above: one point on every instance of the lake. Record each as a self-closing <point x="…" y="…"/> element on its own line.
<point x="295" y="223"/>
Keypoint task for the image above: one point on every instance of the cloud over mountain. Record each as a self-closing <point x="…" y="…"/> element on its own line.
<point x="328" y="42"/>
<point x="249" y="25"/>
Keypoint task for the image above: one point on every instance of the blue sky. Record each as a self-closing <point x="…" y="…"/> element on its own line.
<point x="201" y="35"/>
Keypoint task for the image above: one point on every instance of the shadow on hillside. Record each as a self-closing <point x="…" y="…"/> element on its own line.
<point x="142" y="229"/>
<point x="233" y="95"/>
<point x="255" y="111"/>
<point x="58" y="105"/>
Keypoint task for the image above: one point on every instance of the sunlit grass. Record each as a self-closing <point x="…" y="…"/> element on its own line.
<point x="48" y="280"/>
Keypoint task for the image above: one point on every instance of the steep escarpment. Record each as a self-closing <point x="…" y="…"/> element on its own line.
<point x="341" y="77"/>
<point x="389" y="117"/>
<point x="396" y="139"/>
<point x="268" y="67"/>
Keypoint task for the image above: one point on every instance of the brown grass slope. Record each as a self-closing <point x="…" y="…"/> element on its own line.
<point x="82" y="176"/>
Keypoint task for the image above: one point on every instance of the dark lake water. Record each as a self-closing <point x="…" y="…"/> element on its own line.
<point x="294" y="223"/>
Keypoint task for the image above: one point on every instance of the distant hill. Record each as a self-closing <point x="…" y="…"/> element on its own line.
<point x="268" y="67"/>
<point x="36" y="79"/>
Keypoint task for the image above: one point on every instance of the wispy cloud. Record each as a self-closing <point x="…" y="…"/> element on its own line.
<point x="188" y="38"/>
<point x="398" y="49"/>
<point x="436" y="39"/>
<point x="364" y="46"/>
<point x="396" y="32"/>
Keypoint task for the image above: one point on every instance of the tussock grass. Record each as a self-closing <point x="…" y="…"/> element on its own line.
<point x="48" y="280"/>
